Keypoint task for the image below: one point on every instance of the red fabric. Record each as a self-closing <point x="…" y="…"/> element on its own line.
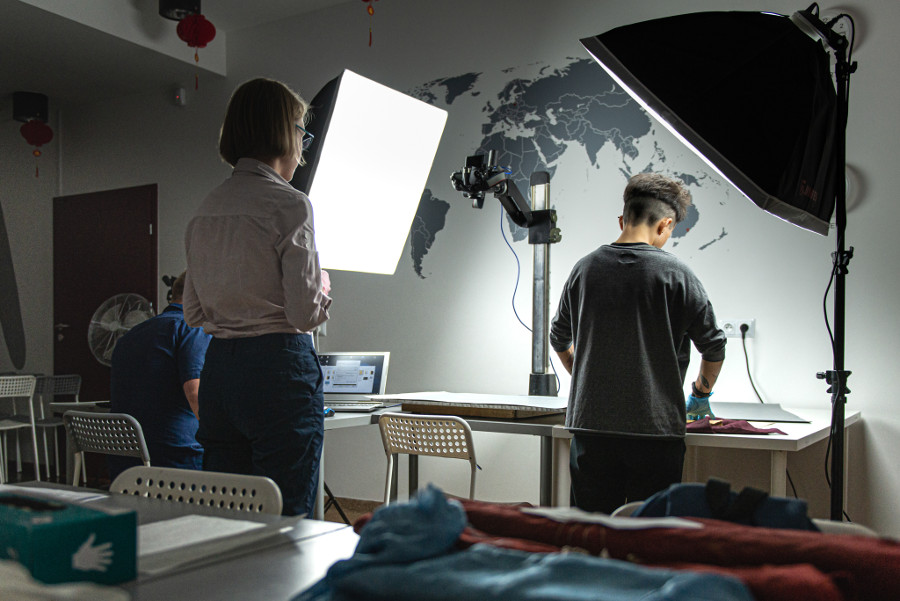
<point x="866" y="568"/>
<point x="795" y="582"/>
<point x="714" y="425"/>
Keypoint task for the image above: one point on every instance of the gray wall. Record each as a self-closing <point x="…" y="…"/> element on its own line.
<point x="454" y="329"/>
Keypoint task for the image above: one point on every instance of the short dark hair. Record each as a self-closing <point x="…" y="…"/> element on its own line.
<point x="259" y="122"/>
<point x="178" y="288"/>
<point x="650" y="197"/>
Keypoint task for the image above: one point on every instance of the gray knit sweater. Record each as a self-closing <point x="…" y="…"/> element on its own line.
<point x="632" y="311"/>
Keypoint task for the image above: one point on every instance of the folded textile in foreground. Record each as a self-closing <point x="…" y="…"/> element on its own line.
<point x="408" y="551"/>
<point x="851" y="567"/>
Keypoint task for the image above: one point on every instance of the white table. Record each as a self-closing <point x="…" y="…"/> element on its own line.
<point x="798" y="436"/>
<point x="278" y="570"/>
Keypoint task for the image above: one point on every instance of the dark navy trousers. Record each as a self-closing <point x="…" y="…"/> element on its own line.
<point x="609" y="471"/>
<point x="261" y="413"/>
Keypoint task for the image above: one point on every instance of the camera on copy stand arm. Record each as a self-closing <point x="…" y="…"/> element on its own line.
<point x="481" y="175"/>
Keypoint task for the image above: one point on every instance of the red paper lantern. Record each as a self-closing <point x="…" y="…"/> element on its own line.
<point x="37" y="133"/>
<point x="196" y="31"/>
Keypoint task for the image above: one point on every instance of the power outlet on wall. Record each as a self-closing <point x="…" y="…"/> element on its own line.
<point x="732" y="327"/>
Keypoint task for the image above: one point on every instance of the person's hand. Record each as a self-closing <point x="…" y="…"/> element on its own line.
<point x="698" y="408"/>
<point x="326" y="283"/>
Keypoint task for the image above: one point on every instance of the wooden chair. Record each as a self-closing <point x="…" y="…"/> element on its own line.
<point x="434" y="435"/>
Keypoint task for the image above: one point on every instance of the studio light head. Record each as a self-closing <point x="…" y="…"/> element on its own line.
<point x="748" y="92"/>
<point x="366" y="170"/>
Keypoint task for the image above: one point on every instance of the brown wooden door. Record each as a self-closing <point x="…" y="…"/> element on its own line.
<point x="104" y="243"/>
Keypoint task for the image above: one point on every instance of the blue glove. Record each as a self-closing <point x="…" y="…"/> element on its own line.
<point x="698" y="408"/>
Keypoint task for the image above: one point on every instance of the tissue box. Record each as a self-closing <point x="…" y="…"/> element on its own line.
<point x="59" y="542"/>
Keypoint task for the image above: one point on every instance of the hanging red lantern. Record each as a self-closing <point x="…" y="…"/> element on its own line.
<point x="197" y="32"/>
<point x="37" y="133"/>
<point x="371" y="10"/>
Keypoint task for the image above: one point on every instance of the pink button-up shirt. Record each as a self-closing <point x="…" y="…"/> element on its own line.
<point x="252" y="263"/>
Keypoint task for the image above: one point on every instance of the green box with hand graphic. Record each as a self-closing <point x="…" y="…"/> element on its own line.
<point x="61" y="542"/>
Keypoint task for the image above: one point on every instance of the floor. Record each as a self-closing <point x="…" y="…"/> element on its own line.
<point x="353" y="509"/>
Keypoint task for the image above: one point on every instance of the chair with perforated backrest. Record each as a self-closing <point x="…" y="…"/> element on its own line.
<point x="105" y="433"/>
<point x="230" y="492"/>
<point x="15" y="388"/>
<point x="47" y="388"/>
<point x="434" y="435"/>
<point x="627" y="509"/>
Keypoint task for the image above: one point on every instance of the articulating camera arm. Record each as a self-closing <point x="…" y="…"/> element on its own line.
<point x="480" y="176"/>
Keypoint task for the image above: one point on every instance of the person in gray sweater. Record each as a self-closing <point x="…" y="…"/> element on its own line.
<point x="627" y="316"/>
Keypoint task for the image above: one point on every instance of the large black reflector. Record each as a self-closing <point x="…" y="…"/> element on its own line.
<point x="749" y="92"/>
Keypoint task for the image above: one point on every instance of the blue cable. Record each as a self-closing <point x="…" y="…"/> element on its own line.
<point x="516" y="289"/>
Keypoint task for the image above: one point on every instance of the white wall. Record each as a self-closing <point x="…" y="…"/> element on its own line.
<point x="454" y="330"/>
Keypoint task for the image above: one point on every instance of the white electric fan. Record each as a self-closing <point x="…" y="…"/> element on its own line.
<point x="112" y="319"/>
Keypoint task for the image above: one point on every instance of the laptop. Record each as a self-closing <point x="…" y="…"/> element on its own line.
<point x="351" y="378"/>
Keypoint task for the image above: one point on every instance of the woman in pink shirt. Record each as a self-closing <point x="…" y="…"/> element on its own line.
<point x="255" y="285"/>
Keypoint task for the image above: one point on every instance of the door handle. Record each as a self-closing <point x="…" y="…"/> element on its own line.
<point x="59" y="331"/>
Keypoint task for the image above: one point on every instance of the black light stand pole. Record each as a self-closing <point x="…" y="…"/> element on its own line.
<point x="837" y="377"/>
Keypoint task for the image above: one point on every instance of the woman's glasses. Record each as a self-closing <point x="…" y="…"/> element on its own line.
<point x="306" y="138"/>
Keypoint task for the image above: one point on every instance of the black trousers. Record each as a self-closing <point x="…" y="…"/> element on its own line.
<point x="261" y="412"/>
<point x="609" y="471"/>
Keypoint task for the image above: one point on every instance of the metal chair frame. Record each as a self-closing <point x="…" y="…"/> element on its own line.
<point x="430" y="435"/>
<point x="106" y="433"/>
<point x="230" y="492"/>
<point x="46" y="389"/>
<point x="16" y="387"/>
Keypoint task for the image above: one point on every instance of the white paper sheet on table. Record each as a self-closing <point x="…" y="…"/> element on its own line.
<point x="573" y="514"/>
<point x="193" y="540"/>
<point x="55" y="494"/>
<point x="483" y="401"/>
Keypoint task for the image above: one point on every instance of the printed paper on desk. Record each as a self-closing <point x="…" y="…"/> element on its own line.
<point x="573" y="514"/>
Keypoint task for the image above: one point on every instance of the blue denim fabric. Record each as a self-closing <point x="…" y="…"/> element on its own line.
<point x="261" y="412"/>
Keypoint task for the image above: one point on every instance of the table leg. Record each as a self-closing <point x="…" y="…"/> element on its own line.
<point x="846" y="462"/>
<point x="70" y="459"/>
<point x="413" y="475"/>
<point x="691" y="455"/>
<point x="546" y="498"/>
<point x="319" y="509"/>
<point x="778" y="474"/>
<point x="561" y="480"/>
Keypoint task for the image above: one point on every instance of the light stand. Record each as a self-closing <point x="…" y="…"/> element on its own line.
<point x="767" y="114"/>
<point x="837" y="377"/>
<point x="480" y="176"/>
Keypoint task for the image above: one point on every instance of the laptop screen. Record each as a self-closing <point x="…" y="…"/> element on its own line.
<point x="354" y="376"/>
